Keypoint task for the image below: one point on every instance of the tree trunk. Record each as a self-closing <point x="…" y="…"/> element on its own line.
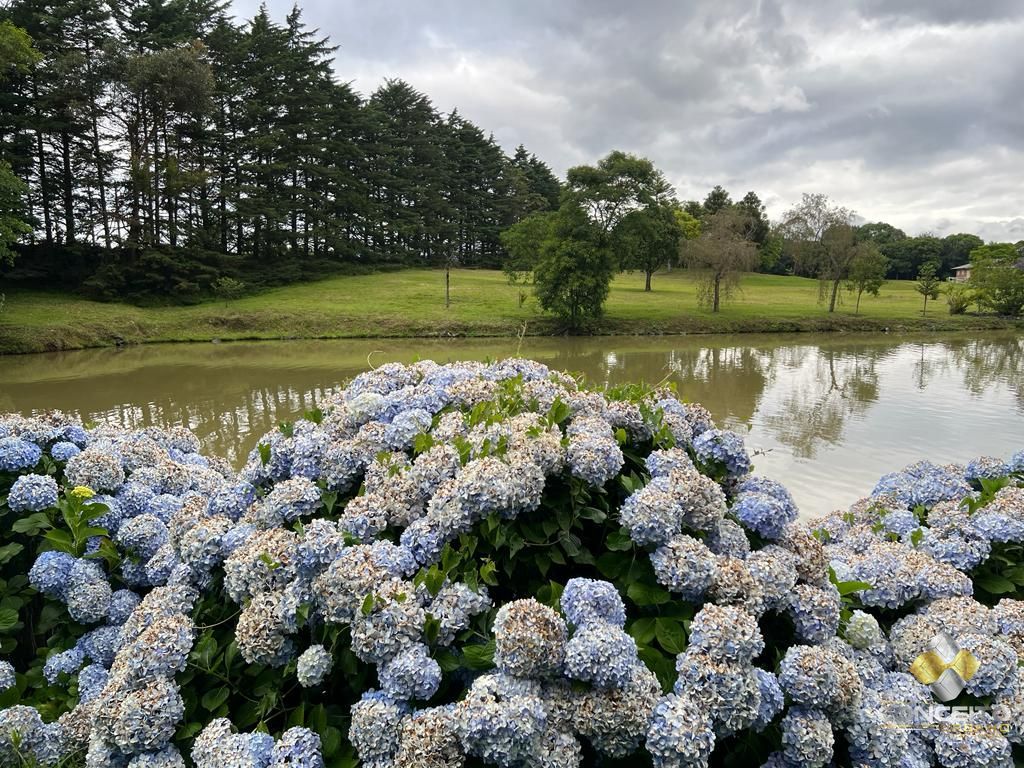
<point x="44" y="187"/>
<point x="835" y="293"/>
<point x="101" y="177"/>
<point x="68" y="188"/>
<point x="924" y="312"/>
<point x="647" y="283"/>
<point x="714" y="303"/>
<point x="447" y="285"/>
<point x="857" y="310"/>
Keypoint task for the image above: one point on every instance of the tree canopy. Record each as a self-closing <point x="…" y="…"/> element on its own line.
<point x="164" y="145"/>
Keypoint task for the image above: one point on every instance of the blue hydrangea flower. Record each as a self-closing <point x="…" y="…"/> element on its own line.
<point x="652" y="515"/>
<point x="142" y="536"/>
<point x="405" y="426"/>
<point x="64" y="663"/>
<point x="602" y="655"/>
<point x="92" y="679"/>
<point x="684" y="565"/>
<point x="726" y="632"/>
<point x="769" y="487"/>
<point x="134" y="498"/>
<point x="168" y="757"/>
<point x="146" y="719"/>
<point x="502" y="720"/>
<point x="809" y="677"/>
<point x="8" y="678"/>
<point x="763" y="514"/>
<point x="297" y="748"/>
<point x="1016" y="462"/>
<point x="290" y="500"/>
<point x="967" y="747"/>
<point x="101" y="644"/>
<point x="771" y="701"/>
<point x="661" y="463"/>
<point x="594" y="458"/>
<point x="585" y="601"/>
<point x="998" y="663"/>
<point x="412" y="674"/>
<point x="723" y="448"/>
<point x="985" y="467"/>
<point x="680" y="733"/>
<point x="32" y="493"/>
<point x="997" y="526"/>
<point x="374" y="726"/>
<point x="17" y="454"/>
<point x="807" y="738"/>
<point x="529" y="639"/>
<point x="49" y="573"/>
<point x="231" y="500"/>
<point x="815" y="612"/>
<point x="64" y="450"/>
<point x="313" y="666"/>
<point x="962" y="548"/>
<point x="218" y="745"/>
<point x="88" y="592"/>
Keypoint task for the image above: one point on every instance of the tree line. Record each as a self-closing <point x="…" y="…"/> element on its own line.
<point x="621" y="214"/>
<point x="156" y="145"/>
<point x="158" y="148"/>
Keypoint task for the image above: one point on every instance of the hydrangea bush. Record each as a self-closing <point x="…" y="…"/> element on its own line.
<point x="488" y="564"/>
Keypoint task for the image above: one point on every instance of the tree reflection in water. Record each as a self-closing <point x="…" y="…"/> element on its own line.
<point x="825" y="388"/>
<point x="987" y="362"/>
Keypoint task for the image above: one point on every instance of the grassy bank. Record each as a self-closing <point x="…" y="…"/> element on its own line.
<point x="411" y="303"/>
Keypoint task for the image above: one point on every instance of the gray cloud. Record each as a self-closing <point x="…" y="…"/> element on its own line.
<point x="907" y="111"/>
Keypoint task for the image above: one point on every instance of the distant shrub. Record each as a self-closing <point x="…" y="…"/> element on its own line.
<point x="959" y="297"/>
<point x="228" y="288"/>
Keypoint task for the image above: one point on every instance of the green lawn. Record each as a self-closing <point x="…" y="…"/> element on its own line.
<point x="411" y="303"/>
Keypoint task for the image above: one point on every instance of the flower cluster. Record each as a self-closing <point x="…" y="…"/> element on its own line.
<point x="349" y="556"/>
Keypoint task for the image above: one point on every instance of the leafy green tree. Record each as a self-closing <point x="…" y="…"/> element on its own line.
<point x="867" y="271"/>
<point x="997" y="274"/>
<point x="647" y="239"/>
<point x="618" y="184"/>
<point x="719" y="256"/>
<point x="689" y="225"/>
<point x="908" y="255"/>
<point x="821" y="240"/>
<point x="542" y="189"/>
<point x="758" y="227"/>
<point x="12" y="223"/>
<point x="16" y="55"/>
<point x="575" y="269"/>
<point x="523" y="242"/>
<point x="717" y="200"/>
<point x="880" y="233"/>
<point x="928" y="283"/>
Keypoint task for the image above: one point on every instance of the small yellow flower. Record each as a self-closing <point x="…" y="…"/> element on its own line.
<point x="82" y="492"/>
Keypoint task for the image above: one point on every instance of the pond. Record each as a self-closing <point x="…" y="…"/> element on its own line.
<point x="825" y="414"/>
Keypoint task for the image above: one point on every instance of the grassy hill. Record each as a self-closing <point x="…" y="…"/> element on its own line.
<point x="411" y="303"/>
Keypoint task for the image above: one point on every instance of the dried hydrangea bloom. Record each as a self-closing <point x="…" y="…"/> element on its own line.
<point x="529" y="639"/>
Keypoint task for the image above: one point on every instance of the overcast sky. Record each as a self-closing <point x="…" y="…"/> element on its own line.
<point x="907" y="111"/>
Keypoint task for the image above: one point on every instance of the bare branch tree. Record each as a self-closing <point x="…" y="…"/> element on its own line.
<point x="719" y="256"/>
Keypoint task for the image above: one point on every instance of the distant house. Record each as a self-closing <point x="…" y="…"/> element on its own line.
<point x="962" y="273"/>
